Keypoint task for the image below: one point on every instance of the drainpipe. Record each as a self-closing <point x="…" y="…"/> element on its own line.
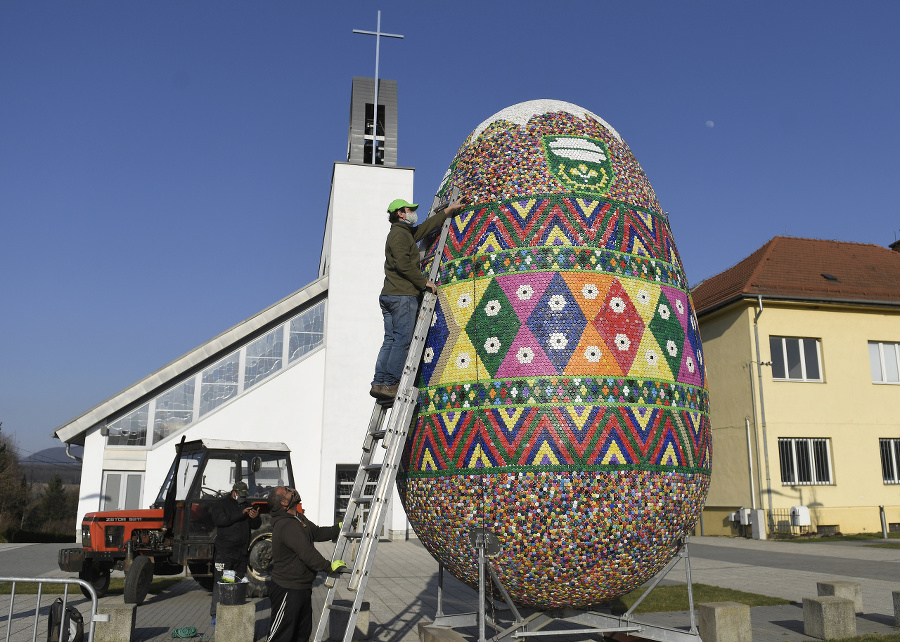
<point x="762" y="408"/>
<point x="750" y="464"/>
<point x="70" y="455"/>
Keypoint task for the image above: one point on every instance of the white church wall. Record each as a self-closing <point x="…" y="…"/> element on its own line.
<point x="286" y="408"/>
<point x="91" y="477"/>
<point x="358" y="227"/>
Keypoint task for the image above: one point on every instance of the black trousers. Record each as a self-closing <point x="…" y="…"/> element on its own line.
<point x="291" y="619"/>
<point x="226" y="560"/>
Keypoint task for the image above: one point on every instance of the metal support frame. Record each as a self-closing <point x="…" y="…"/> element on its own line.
<point x="530" y="626"/>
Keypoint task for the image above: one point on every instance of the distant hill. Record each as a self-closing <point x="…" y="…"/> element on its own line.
<point x="40" y="467"/>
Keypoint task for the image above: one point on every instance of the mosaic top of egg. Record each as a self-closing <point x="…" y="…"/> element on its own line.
<point x="563" y="403"/>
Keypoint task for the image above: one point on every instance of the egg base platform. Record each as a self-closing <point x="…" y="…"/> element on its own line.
<point x="536" y="623"/>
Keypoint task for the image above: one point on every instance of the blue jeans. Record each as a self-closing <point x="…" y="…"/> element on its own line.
<point x="399" y="314"/>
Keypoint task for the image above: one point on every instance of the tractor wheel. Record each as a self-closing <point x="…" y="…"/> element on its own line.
<point x="137" y="580"/>
<point x="95" y="575"/>
<point x="259" y="561"/>
<point x="198" y="568"/>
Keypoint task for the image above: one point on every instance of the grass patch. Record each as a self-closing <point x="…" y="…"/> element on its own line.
<point x="873" y="637"/>
<point x="116" y="587"/>
<point x="675" y="598"/>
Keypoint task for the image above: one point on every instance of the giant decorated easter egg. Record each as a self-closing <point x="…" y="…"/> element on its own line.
<point x="563" y="404"/>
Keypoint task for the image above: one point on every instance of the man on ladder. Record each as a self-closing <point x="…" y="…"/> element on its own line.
<point x="403" y="287"/>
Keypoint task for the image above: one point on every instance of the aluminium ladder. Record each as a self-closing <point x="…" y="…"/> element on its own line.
<point x="393" y="438"/>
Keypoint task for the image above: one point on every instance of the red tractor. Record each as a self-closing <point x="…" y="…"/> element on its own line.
<point x="177" y="530"/>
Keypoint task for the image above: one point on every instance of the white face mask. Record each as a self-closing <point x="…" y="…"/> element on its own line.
<point x="411" y="218"/>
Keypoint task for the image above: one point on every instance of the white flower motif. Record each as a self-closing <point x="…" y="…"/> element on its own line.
<point x="525" y="355"/>
<point x="525" y="292"/>
<point x="643" y="297"/>
<point x="672" y="348"/>
<point x="700" y="356"/>
<point x="679" y="306"/>
<point x="429" y="355"/>
<point x="617" y="305"/>
<point x="664" y="311"/>
<point x="652" y="357"/>
<point x="464" y="300"/>
<point x="557" y="302"/>
<point x="590" y="291"/>
<point x="492" y="345"/>
<point x="623" y="343"/>
<point x="593" y="354"/>
<point x="462" y="360"/>
<point x="558" y="341"/>
<point x="492" y="308"/>
<point x="434" y="319"/>
<point x="690" y="364"/>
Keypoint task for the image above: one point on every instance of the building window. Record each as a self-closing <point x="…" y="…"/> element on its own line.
<point x="795" y="359"/>
<point x="345" y="477"/>
<point x="890" y="460"/>
<point x="884" y="360"/>
<point x="805" y="461"/>
<point x="121" y="490"/>
<point x="228" y="378"/>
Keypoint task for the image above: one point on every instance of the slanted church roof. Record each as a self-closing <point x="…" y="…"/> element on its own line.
<point x="806" y="270"/>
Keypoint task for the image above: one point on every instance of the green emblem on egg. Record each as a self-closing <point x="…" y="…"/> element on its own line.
<point x="579" y="163"/>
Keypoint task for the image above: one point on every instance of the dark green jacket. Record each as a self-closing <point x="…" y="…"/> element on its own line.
<point x="402" y="268"/>
<point x="295" y="560"/>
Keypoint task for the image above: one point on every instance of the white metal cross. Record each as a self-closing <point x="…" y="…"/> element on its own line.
<point x="378" y="35"/>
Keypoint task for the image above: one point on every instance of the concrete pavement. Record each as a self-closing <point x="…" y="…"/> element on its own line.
<point x="403" y="588"/>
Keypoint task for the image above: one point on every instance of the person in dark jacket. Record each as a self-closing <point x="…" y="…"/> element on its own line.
<point x="404" y="284"/>
<point x="295" y="563"/>
<point x="234" y="520"/>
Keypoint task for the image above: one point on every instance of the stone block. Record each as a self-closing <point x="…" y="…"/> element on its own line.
<point x="337" y="622"/>
<point x="829" y="617"/>
<point x="840" y="588"/>
<point x="120" y="627"/>
<point x="235" y="622"/>
<point x="724" y="622"/>
<point x="428" y="633"/>
<point x="896" y="595"/>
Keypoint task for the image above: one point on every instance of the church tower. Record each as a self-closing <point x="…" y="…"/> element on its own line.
<point x="368" y="132"/>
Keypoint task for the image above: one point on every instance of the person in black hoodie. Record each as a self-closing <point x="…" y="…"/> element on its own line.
<point x="234" y="520"/>
<point x="295" y="562"/>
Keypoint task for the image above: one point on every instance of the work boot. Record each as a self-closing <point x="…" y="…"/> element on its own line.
<point x="377" y="391"/>
<point x="389" y="392"/>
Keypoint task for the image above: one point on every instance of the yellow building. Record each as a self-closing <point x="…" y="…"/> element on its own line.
<point x="802" y="349"/>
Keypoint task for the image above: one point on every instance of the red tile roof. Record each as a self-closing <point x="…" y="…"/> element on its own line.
<point x="806" y="269"/>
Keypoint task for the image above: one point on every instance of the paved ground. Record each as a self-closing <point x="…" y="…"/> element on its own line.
<point x="403" y="588"/>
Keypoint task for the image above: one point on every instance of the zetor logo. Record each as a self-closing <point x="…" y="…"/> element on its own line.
<point x="579" y="163"/>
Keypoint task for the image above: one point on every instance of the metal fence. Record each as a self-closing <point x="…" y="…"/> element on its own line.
<point x="25" y="612"/>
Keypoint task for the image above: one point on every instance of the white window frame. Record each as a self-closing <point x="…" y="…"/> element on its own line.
<point x="890" y="458"/>
<point x="882" y="362"/>
<point x="124" y="475"/>
<point x="784" y="358"/>
<point x="790" y="444"/>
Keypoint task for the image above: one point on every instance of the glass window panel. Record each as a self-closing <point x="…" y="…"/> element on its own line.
<point x="219" y="383"/>
<point x="263" y="357"/>
<point x="890" y="362"/>
<point x="875" y="361"/>
<point x="130" y="430"/>
<point x="776" y="351"/>
<point x="132" y="491"/>
<point x="888" y="471"/>
<point x="804" y="474"/>
<point x="174" y="410"/>
<point x="786" y="455"/>
<point x="811" y="356"/>
<point x="113" y="488"/>
<point x="792" y="347"/>
<point x="820" y="451"/>
<point x="307" y="331"/>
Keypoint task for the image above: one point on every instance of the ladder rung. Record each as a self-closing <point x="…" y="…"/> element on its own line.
<point x="338" y="607"/>
<point x="373" y="467"/>
<point x="366" y="499"/>
<point x="353" y="535"/>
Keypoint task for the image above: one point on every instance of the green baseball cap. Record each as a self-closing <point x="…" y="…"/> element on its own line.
<point x="397" y="203"/>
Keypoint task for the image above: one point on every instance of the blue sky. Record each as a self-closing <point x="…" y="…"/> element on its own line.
<point x="165" y="164"/>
